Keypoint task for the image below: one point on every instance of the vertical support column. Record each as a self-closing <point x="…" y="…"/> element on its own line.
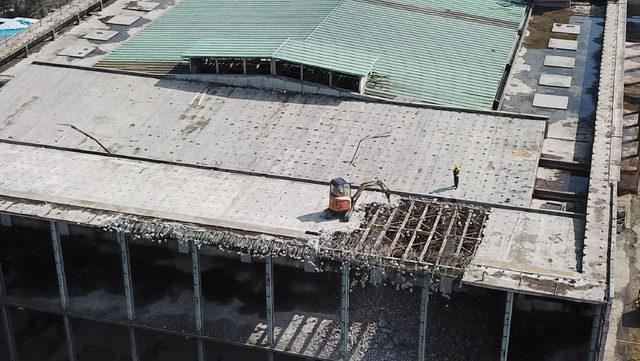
<point x="506" y="330"/>
<point x="62" y="286"/>
<point x="126" y="273"/>
<point x="345" y="286"/>
<point x="128" y="291"/>
<point x="244" y="66"/>
<point x="6" y="321"/>
<point x="270" y="310"/>
<point x="197" y="295"/>
<point x="424" y="321"/>
<point x="217" y="67"/>
<point x="133" y="344"/>
<point x="272" y="64"/>
<point x="8" y="331"/>
<point x="595" y="334"/>
<point x="330" y="79"/>
<point x="301" y="72"/>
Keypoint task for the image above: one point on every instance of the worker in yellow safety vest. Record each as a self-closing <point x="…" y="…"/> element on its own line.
<point x="456" y="175"/>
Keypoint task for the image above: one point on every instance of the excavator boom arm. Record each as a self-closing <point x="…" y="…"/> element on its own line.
<point x="366" y="185"/>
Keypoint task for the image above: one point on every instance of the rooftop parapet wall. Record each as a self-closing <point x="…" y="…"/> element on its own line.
<point x="605" y="162"/>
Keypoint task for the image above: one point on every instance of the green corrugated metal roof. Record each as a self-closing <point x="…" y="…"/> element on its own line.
<point x="427" y="49"/>
<point x="343" y="60"/>
<point x="231" y="21"/>
<point x="433" y="58"/>
<point x="239" y="48"/>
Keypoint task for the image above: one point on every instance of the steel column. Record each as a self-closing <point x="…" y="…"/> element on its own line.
<point x="133" y="344"/>
<point x="269" y="292"/>
<point x="424" y="321"/>
<point x="506" y="330"/>
<point x="71" y="343"/>
<point x="344" y="309"/>
<point x="59" y="259"/>
<point x="6" y="321"/>
<point x="197" y="295"/>
<point x="126" y="273"/>
<point x="595" y="333"/>
<point x="8" y="331"/>
<point x="62" y="286"/>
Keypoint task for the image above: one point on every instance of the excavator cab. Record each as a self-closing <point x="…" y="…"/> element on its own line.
<point x="339" y="195"/>
<point x="342" y="202"/>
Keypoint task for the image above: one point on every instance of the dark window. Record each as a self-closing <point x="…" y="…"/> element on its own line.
<point x="234" y="306"/>
<point x="307" y="310"/>
<point x="224" y="352"/>
<point x="259" y="67"/>
<point x="288" y="70"/>
<point x="93" y="268"/>
<point x="204" y="65"/>
<point x="39" y="336"/>
<point x="97" y="341"/>
<point x="158" y="346"/>
<point x="316" y="75"/>
<point x="26" y="255"/>
<point x="230" y="66"/>
<point x="162" y="287"/>
<point x="347" y="82"/>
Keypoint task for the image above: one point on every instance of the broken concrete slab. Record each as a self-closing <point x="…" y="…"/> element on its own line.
<point x="560" y="81"/>
<point x="142" y="5"/>
<point x="566" y="28"/>
<point x="560" y="61"/>
<point x="101" y="35"/>
<point x="550" y="101"/>
<point x="77" y="51"/>
<point x="563" y="44"/>
<point x="123" y="20"/>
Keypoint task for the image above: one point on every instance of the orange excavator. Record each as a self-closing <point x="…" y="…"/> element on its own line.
<point x="342" y="203"/>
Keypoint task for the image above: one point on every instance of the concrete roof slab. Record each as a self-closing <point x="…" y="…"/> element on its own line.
<point x="306" y="137"/>
<point x="563" y="44"/>
<point x="566" y="28"/>
<point x="550" y="101"/>
<point x="100" y="35"/>
<point x="560" y="61"/>
<point x="77" y="51"/>
<point x="554" y="80"/>
<point x="123" y="20"/>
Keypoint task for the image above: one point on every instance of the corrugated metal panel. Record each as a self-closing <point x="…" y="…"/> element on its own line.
<point x="432" y="58"/>
<point x="428" y="50"/>
<point x="239" y="48"/>
<point x="168" y="37"/>
<point x="343" y="60"/>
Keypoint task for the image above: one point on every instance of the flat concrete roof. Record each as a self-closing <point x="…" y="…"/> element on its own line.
<point x="85" y="186"/>
<point x="307" y="137"/>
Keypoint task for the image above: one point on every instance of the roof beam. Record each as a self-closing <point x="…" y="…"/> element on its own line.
<point x="415" y="233"/>
<point x="386" y="227"/>
<point x="464" y="233"/>
<point x="368" y="229"/>
<point x="402" y="225"/>
<point x="446" y="235"/>
<point x="433" y="231"/>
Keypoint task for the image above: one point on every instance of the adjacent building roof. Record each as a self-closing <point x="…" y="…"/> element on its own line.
<point x="442" y="52"/>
